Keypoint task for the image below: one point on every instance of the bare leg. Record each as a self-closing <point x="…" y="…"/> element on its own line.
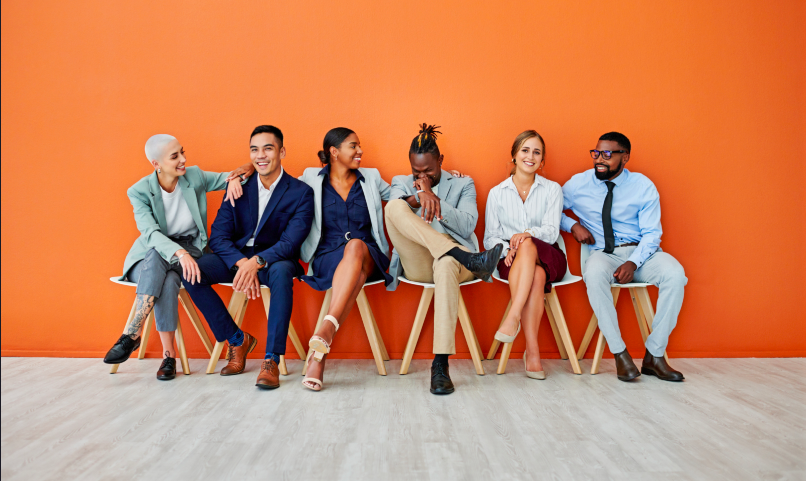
<point x="532" y="315"/>
<point x="520" y="284"/>
<point x="348" y="280"/>
<point x="143" y="308"/>
<point x="167" y="339"/>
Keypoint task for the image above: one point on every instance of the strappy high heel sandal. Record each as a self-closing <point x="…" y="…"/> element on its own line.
<point x="319" y="346"/>
<point x="317" y="383"/>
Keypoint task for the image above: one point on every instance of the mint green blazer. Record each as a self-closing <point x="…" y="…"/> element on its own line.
<point x="149" y="213"/>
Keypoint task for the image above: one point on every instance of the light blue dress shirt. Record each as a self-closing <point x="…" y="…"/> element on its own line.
<point x="635" y="213"/>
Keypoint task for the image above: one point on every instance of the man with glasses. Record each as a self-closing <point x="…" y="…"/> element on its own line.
<point x="619" y="218"/>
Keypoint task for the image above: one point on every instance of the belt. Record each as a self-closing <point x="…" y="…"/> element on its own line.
<point x="628" y="244"/>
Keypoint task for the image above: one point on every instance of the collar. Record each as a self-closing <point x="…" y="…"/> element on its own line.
<point x="273" y="185"/>
<point x="509" y="183"/>
<point x="621" y="179"/>
<point x="326" y="172"/>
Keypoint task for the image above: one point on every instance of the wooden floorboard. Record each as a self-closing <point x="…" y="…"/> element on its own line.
<point x="731" y="419"/>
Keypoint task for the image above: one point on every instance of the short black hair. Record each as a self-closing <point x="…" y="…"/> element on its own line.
<point x="618" y="138"/>
<point x="425" y="141"/>
<point x="268" y="129"/>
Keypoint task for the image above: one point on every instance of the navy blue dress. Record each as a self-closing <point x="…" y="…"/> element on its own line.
<point x="343" y="220"/>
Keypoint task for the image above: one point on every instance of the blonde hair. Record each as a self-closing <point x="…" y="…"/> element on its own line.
<point x="521" y="139"/>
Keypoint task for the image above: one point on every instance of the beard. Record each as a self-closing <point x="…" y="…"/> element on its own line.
<point x="607" y="174"/>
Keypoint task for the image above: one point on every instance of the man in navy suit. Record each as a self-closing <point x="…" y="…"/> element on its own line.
<point x="256" y="241"/>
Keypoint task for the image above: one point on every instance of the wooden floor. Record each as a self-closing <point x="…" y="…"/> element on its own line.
<point x="732" y="419"/>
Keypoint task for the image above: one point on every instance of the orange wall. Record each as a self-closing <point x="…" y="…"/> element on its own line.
<point x="712" y="95"/>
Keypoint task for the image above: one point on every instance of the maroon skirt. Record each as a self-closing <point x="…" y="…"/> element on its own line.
<point x="550" y="257"/>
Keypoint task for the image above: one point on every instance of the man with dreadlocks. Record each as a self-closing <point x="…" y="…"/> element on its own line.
<point x="430" y="218"/>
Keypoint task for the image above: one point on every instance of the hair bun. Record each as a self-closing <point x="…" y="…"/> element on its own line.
<point x="323" y="157"/>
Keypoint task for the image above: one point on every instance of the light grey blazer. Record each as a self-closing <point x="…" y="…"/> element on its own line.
<point x="375" y="190"/>
<point x="459" y="212"/>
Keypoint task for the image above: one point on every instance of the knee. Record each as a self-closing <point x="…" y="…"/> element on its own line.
<point x="282" y="270"/>
<point x="446" y="268"/>
<point x="675" y="276"/>
<point x="395" y="206"/>
<point x="172" y="282"/>
<point x="596" y="273"/>
<point x="152" y="255"/>
<point x="528" y="249"/>
<point x="355" y="249"/>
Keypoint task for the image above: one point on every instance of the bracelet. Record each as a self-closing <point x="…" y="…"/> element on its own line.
<point x="421" y="190"/>
<point x="181" y="256"/>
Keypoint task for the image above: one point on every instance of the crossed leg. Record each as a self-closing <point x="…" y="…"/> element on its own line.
<point x="348" y="280"/>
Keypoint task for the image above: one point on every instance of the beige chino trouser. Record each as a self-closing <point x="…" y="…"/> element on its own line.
<point x="422" y="254"/>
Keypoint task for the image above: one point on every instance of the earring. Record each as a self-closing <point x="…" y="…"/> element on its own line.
<point x="159" y="171"/>
<point x="513" y="161"/>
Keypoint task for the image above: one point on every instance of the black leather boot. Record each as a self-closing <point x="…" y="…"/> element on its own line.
<point x="657" y="366"/>
<point x="626" y="369"/>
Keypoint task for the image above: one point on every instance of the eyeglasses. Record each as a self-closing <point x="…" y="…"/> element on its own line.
<point x="606" y="154"/>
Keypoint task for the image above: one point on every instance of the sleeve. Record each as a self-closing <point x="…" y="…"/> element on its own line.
<point x="462" y="218"/>
<point x="568" y="204"/>
<point x="221" y="235"/>
<point x="493" y="234"/>
<point x="215" y="180"/>
<point x="398" y="189"/>
<point x="550" y="226"/>
<point x="149" y="227"/>
<point x="649" y="225"/>
<point x="295" y="233"/>
<point x="385" y="189"/>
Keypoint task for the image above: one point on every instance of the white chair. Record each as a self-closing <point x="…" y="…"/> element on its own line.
<point x="641" y="302"/>
<point x="184" y="299"/>
<point x="237" y="309"/>
<point x="419" y="319"/>
<point x="373" y="334"/>
<point x="556" y="319"/>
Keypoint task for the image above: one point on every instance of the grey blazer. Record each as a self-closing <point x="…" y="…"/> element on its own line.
<point x="459" y="212"/>
<point x="375" y="190"/>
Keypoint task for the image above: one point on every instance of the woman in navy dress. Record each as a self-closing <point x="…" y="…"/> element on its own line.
<point x="347" y="242"/>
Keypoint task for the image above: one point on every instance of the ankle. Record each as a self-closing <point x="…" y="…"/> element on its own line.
<point x="441" y="359"/>
<point x="134" y="337"/>
<point x="170" y="353"/>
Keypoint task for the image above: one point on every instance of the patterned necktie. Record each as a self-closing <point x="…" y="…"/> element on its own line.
<point x="607" y="223"/>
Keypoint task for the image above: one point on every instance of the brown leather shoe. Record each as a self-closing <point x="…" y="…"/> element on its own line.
<point x="626" y="369"/>
<point x="657" y="366"/>
<point x="237" y="355"/>
<point x="269" y="377"/>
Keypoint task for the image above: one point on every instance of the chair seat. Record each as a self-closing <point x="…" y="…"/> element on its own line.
<point x="568" y="279"/>
<point x="117" y="280"/>
<point x="631" y="284"/>
<point x="431" y="285"/>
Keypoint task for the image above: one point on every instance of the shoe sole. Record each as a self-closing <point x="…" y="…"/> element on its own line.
<point x="127" y="357"/>
<point x="166" y="378"/>
<point x="442" y="393"/>
<point x="266" y="387"/>
<point x="628" y="379"/>
<point x="651" y="372"/>
<point x="252" y="346"/>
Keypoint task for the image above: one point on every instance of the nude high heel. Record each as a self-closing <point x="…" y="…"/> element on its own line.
<point x="541" y="375"/>
<point x="319" y="346"/>
<point x="501" y="337"/>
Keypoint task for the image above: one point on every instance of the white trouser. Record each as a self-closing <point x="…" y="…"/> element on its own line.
<point x="661" y="269"/>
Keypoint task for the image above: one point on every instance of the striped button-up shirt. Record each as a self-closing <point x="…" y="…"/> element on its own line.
<point x="538" y="216"/>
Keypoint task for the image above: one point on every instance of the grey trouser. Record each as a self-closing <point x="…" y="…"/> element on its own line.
<point x="661" y="269"/>
<point x="157" y="277"/>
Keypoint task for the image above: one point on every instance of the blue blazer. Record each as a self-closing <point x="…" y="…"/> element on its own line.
<point x="283" y="228"/>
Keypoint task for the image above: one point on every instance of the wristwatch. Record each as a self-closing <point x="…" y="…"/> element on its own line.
<point x="261" y="262"/>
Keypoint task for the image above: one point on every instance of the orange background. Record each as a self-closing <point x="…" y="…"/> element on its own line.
<point x="711" y="94"/>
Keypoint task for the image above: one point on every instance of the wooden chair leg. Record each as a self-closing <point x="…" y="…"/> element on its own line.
<point x="322" y="314"/>
<point x="470" y="336"/>
<point x="597" y="355"/>
<point x="502" y="363"/>
<point x="384" y="352"/>
<point x="292" y="334"/>
<point x="553" y="306"/>
<point x="115" y="367"/>
<point x="237" y="309"/>
<point x="372" y="333"/>
<point x="645" y="303"/>
<point x="639" y="315"/>
<point x="496" y="343"/>
<point x="586" y="340"/>
<point x="180" y="345"/>
<point x="146" y="333"/>
<point x="554" y="330"/>
<point x="190" y="310"/>
<point x="416" y="328"/>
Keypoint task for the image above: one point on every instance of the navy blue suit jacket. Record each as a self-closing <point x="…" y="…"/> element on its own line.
<point x="284" y="225"/>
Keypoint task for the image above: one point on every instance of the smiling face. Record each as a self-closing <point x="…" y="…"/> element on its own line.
<point x="529" y="158"/>
<point x="609" y="169"/>
<point x="172" y="161"/>
<point x="348" y="153"/>
<point x="266" y="153"/>
<point x="426" y="165"/>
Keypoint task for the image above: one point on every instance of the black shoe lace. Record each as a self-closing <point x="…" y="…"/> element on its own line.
<point x="166" y="362"/>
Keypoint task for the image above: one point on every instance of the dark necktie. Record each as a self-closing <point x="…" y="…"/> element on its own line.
<point x="607" y="223"/>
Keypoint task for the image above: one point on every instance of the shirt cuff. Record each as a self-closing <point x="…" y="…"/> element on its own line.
<point x="566" y="223"/>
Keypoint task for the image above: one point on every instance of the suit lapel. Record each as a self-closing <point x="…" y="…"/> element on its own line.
<point x="254" y="199"/>
<point x="189" y="193"/>
<point x="282" y="186"/>
<point x="156" y="202"/>
<point x="445" y="185"/>
<point x="369" y="190"/>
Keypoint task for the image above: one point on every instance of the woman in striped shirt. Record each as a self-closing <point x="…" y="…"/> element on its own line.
<point x="523" y="214"/>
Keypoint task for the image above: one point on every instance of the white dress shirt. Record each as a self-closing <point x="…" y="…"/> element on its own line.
<point x="507" y="214"/>
<point x="264" y="195"/>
